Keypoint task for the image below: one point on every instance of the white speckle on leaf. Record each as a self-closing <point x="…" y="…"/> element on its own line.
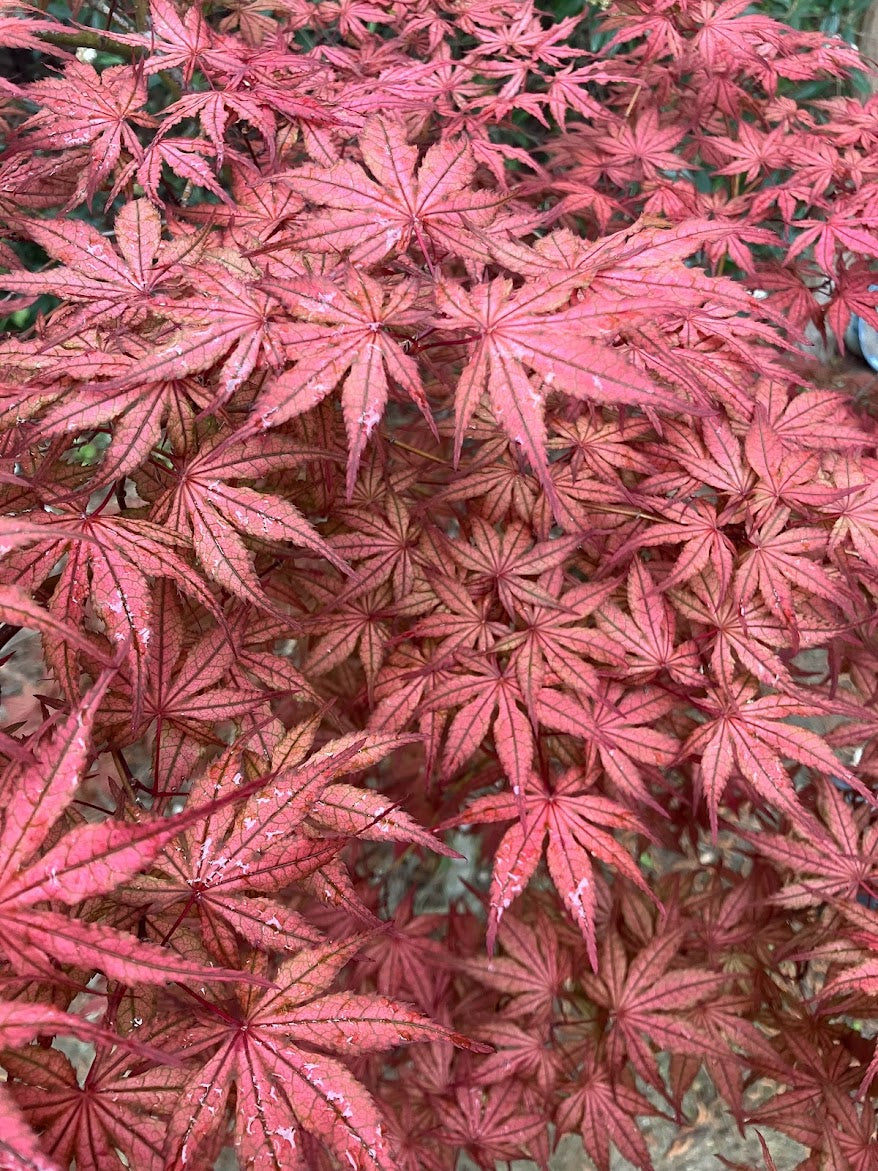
<point x="288" y="1133"/>
<point x="369" y="419"/>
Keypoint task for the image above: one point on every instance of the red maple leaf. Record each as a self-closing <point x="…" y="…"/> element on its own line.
<point x="614" y="723"/>
<point x="348" y="335"/>
<point x="270" y="1048"/>
<point x="513" y="331"/>
<point x="89" y="860"/>
<point x="218" y="514"/>
<point x="577" y="823"/>
<point x="602" y="1107"/>
<point x="533" y="972"/>
<point x="94" y="276"/>
<point x="748" y="735"/>
<point x="91" y="1122"/>
<point x="87" y="108"/>
<point x="431" y="203"/>
<point x="649" y="1004"/>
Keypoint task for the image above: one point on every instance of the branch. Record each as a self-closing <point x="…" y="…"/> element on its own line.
<point x="90" y="39"/>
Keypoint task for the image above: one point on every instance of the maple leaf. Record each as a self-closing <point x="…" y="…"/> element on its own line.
<point x="601" y="1107"/>
<point x="270" y="1048"/>
<point x="108" y="561"/>
<point x="348" y="337"/>
<point x="91" y="1123"/>
<point x="819" y="1083"/>
<point x="405" y="960"/>
<point x="216" y="512"/>
<point x="645" y="260"/>
<point x="187" y="688"/>
<point x="358" y="624"/>
<point x="698" y="526"/>
<point x="576" y="822"/>
<point x="431" y="203"/>
<point x="527" y="1054"/>
<point x="513" y="331"/>
<point x="175" y="41"/>
<point x="91" y="859"/>
<point x="488" y="697"/>
<point x="492" y="1125"/>
<point x="555" y="642"/>
<point x="261" y="205"/>
<point x="748" y="735"/>
<point x="839" y="864"/>
<point x="646" y="144"/>
<point x="533" y="972"/>
<point x="16" y="33"/>
<point x="647" y="998"/>
<point x="226" y="869"/>
<point x="385" y="547"/>
<point x="790" y="478"/>
<point x="137" y="415"/>
<point x="21" y="1022"/>
<point x="461" y="622"/>
<point x="646" y="633"/>
<point x="185" y="157"/>
<point x="857" y="515"/>
<point x="749" y="634"/>
<point x="503" y="563"/>
<point x="776" y="564"/>
<point x="226" y="311"/>
<point x="615" y="722"/>
<point x="93" y="273"/>
<point x="837" y="231"/>
<point x="87" y="108"/>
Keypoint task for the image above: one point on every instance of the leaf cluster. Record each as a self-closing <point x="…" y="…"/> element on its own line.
<point x="453" y="588"/>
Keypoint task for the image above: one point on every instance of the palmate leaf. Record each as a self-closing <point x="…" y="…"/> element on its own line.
<point x="431" y="203"/>
<point x="270" y="1048"/>
<point x="84" y="107"/>
<point x="344" y="336"/>
<point x="116" y="1111"/>
<point x="616" y="724"/>
<point x="218" y="514"/>
<point x="89" y="860"/>
<point x="492" y="1125"/>
<point x="94" y="274"/>
<point x="649" y="1003"/>
<point x="54" y="1103"/>
<point x="512" y="332"/>
<point x="840" y="864"/>
<point x="577" y="823"/>
<point x="231" y="868"/>
<point x="603" y="1109"/>
<point x="749" y="736"/>
<point x="108" y="561"/>
<point x="489" y="698"/>
<point x="533" y="971"/>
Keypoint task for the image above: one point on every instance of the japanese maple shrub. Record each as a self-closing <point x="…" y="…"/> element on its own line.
<point x="453" y="591"/>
